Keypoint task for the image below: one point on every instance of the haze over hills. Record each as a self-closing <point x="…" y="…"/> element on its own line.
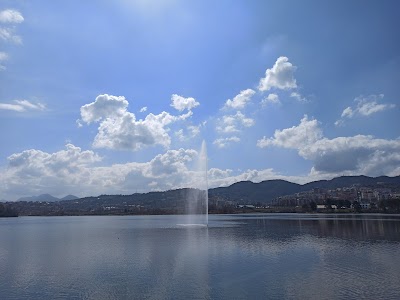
<point x="69" y="197"/>
<point x="47" y="198"/>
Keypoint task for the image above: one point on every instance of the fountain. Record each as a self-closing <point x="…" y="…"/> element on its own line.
<point x="197" y="196"/>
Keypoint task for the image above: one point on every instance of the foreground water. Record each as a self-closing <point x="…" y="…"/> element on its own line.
<point x="268" y="256"/>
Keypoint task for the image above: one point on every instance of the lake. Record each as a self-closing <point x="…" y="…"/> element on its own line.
<point x="251" y="256"/>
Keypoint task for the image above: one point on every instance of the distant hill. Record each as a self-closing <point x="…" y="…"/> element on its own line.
<point x="250" y="192"/>
<point x="47" y="198"/>
<point x="266" y="191"/>
<point x="346" y="181"/>
<point x="69" y="197"/>
<point x="43" y="198"/>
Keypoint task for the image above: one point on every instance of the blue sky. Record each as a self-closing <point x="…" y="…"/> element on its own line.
<point x="117" y="96"/>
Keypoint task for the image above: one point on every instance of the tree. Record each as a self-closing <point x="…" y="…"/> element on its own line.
<point x="313" y="206"/>
<point x="356" y="206"/>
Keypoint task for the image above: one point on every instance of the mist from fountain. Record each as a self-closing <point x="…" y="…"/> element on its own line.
<point x="197" y="196"/>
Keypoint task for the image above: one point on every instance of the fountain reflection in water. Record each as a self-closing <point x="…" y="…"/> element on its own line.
<point x="197" y="196"/>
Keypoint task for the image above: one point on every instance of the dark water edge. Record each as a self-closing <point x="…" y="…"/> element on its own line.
<point x="249" y="256"/>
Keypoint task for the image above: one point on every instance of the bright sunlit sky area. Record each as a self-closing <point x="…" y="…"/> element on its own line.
<point x="116" y="97"/>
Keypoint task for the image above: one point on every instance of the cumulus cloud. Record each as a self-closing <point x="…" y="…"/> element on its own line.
<point x="119" y="129"/>
<point x="358" y="154"/>
<point x="31" y="170"/>
<point x="11" y="16"/>
<point x="22" y="106"/>
<point x="233" y="123"/>
<point x="240" y="100"/>
<point x="365" y="106"/>
<point x="270" y="99"/>
<point x="223" y="142"/>
<point x="104" y="106"/>
<point x="181" y="103"/>
<point x="76" y="171"/>
<point x="143" y="109"/>
<point x="306" y="133"/>
<point x="280" y="76"/>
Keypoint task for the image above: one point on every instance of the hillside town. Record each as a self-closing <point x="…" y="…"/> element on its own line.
<point x="355" y="197"/>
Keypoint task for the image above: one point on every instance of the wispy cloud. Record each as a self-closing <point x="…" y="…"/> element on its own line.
<point x="270" y="99"/>
<point x="365" y="106"/>
<point x="8" y="20"/>
<point x="223" y="142"/>
<point x="23" y="106"/>
<point x="3" y="57"/>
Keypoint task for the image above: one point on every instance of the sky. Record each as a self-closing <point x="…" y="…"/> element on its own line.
<point x="116" y="97"/>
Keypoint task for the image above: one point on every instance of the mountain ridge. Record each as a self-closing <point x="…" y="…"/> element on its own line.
<point x="267" y="190"/>
<point x="47" y="198"/>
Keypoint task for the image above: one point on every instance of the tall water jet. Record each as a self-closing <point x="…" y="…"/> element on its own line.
<point x="197" y="196"/>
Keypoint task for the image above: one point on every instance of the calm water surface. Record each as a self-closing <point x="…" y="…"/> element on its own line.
<point x="263" y="256"/>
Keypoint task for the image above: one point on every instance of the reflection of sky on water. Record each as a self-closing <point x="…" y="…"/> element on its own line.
<point x="250" y="256"/>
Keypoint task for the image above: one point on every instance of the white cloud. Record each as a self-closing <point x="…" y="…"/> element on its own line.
<point x="280" y="76"/>
<point x="223" y="142"/>
<point x="233" y="123"/>
<point x="75" y="171"/>
<point x="104" y="106"/>
<point x="339" y="123"/>
<point x="119" y="129"/>
<point x="7" y="35"/>
<point x="181" y="103"/>
<point x="143" y="109"/>
<point x="11" y="16"/>
<point x="194" y="130"/>
<point x="29" y="105"/>
<point x="298" y="97"/>
<point x="22" y="106"/>
<point x="33" y="171"/>
<point x="14" y="107"/>
<point x="240" y="100"/>
<point x="358" y="154"/>
<point x="191" y="132"/>
<point x="179" y="134"/>
<point x="306" y="133"/>
<point x="3" y="56"/>
<point x="365" y="106"/>
<point x="347" y="112"/>
<point x="369" y="105"/>
<point x="215" y="173"/>
<point x="270" y="99"/>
